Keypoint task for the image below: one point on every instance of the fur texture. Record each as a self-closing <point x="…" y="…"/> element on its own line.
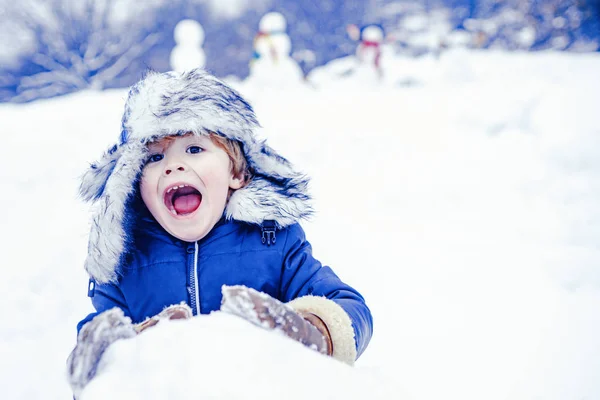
<point x="337" y="320"/>
<point x="166" y="104"/>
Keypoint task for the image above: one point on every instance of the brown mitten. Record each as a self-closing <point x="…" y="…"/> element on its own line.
<point x="176" y="311"/>
<point x="92" y="341"/>
<point x="269" y="313"/>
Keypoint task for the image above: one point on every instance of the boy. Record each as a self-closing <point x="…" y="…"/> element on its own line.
<point x="195" y="215"/>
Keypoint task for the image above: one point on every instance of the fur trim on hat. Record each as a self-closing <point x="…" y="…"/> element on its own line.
<point x="167" y="104"/>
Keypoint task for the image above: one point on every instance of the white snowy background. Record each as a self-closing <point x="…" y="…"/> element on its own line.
<point x="459" y="195"/>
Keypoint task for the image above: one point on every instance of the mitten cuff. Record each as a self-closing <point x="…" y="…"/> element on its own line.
<point x="337" y="321"/>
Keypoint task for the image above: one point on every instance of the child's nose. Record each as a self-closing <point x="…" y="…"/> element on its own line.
<point x="174" y="167"/>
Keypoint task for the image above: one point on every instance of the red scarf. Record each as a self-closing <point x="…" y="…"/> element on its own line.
<point x="364" y="44"/>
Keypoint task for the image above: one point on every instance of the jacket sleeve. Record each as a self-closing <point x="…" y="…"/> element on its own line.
<point x="104" y="297"/>
<point x="310" y="287"/>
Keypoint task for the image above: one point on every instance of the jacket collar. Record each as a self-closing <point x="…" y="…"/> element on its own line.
<point x="149" y="226"/>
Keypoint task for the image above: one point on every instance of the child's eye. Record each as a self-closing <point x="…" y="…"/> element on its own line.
<point x="194" y="149"/>
<point x="155" y="158"/>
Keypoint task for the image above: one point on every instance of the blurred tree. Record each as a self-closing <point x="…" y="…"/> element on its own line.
<point x="318" y="28"/>
<point x="536" y="25"/>
<point x="421" y="27"/>
<point x="81" y="44"/>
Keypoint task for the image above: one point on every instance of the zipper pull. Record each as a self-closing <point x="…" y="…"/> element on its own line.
<point x="268" y="232"/>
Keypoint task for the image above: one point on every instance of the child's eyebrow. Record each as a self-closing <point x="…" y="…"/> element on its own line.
<point x="156" y="146"/>
<point x="162" y="145"/>
<point x="153" y="145"/>
<point x="195" y="138"/>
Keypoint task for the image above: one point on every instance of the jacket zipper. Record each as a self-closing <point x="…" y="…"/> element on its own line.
<point x="194" y="292"/>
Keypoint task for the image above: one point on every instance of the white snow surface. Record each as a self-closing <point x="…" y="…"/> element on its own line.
<point x="463" y="206"/>
<point x="244" y="363"/>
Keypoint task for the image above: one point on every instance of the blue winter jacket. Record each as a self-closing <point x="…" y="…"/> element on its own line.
<point x="164" y="271"/>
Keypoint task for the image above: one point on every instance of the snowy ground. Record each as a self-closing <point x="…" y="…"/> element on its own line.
<point x="460" y="196"/>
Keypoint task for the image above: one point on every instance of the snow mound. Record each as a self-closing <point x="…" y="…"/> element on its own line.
<point x="220" y="356"/>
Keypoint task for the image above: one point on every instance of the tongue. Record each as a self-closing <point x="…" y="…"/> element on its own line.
<point x="187" y="203"/>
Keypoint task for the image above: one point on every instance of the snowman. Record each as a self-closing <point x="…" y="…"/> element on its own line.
<point x="271" y="64"/>
<point x="188" y="53"/>
<point x="370" y="39"/>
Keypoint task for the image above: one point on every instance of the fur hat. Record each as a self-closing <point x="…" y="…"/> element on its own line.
<point x="166" y="104"/>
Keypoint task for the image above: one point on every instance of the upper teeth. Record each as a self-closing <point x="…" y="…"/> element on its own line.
<point x="176" y="187"/>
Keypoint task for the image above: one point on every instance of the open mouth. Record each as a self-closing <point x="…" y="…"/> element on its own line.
<point x="182" y="199"/>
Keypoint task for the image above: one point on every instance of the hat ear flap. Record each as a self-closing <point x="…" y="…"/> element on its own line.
<point x="94" y="179"/>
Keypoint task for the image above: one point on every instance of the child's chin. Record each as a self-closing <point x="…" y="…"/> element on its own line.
<point x="192" y="236"/>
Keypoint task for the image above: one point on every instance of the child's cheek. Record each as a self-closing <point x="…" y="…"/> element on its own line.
<point x="143" y="181"/>
<point x="146" y="188"/>
<point x="147" y="177"/>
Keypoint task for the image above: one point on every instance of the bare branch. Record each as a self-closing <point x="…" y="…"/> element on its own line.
<point x="83" y="43"/>
<point x="123" y="61"/>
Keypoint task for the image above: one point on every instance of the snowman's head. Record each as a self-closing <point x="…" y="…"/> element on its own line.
<point x="372" y="33"/>
<point x="272" y="22"/>
<point x="188" y="31"/>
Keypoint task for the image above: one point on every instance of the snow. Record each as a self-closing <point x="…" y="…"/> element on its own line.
<point x="463" y="206"/>
<point x="236" y="364"/>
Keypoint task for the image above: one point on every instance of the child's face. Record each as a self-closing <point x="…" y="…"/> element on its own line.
<point x="185" y="185"/>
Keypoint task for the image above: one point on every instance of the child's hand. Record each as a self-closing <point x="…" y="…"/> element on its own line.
<point x="92" y="341"/>
<point x="269" y="313"/>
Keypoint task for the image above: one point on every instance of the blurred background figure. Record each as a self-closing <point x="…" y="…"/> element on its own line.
<point x="271" y="63"/>
<point x="271" y="42"/>
<point x="370" y="39"/>
<point x="188" y="53"/>
<point x="366" y="66"/>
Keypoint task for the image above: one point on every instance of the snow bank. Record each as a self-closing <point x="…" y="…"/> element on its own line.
<point x="220" y="356"/>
